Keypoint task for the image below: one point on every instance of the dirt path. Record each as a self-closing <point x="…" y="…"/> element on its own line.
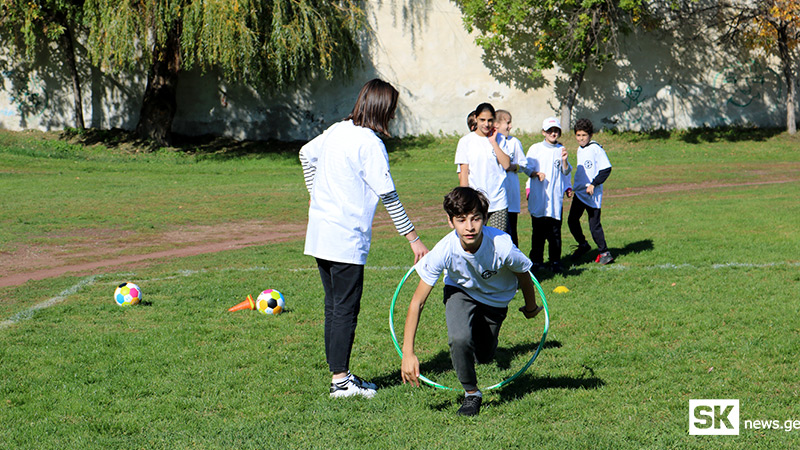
<point x="90" y="250"/>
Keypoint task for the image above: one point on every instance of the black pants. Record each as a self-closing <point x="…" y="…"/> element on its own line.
<point x="545" y="229"/>
<point x="343" y="284"/>
<point x="512" y="228"/>
<point x="595" y="227"/>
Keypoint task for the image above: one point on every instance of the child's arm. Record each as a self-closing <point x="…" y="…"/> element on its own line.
<point x="410" y="364"/>
<point x="601" y="178"/>
<point x="501" y="156"/>
<point x="463" y="176"/>
<point x="565" y="167"/>
<point x="309" y="164"/>
<point x="530" y="310"/>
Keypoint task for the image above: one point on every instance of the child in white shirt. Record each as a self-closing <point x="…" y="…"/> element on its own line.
<point x="513" y="148"/>
<point x="550" y="179"/>
<point x="482" y="164"/>
<point x="591" y="172"/>
<point x="346" y="171"/>
<point x="482" y="271"/>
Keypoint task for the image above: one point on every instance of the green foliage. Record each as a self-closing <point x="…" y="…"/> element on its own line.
<point x="540" y="34"/>
<point x="274" y="42"/>
<point x="31" y="21"/>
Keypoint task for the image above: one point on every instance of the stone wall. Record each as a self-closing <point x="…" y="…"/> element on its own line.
<point x="422" y="48"/>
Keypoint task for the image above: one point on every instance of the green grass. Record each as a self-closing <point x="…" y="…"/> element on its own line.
<point x="702" y="303"/>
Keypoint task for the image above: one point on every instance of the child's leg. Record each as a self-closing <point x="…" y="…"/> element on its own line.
<point x="485" y="331"/>
<point x="459" y="313"/>
<point x="554" y="239"/>
<point x="512" y="228"/>
<point x="596" y="229"/>
<point x="343" y="284"/>
<point x="574" y="220"/>
<point x="538" y="235"/>
<point x="498" y="219"/>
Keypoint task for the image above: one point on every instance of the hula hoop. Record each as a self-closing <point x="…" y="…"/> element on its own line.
<point x="494" y="386"/>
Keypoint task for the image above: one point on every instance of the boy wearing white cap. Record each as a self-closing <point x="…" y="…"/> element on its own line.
<point x="549" y="173"/>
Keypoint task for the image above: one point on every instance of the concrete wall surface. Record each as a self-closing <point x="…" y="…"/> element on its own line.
<point x="422" y="47"/>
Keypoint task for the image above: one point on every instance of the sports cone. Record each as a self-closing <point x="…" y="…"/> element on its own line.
<point x="249" y="303"/>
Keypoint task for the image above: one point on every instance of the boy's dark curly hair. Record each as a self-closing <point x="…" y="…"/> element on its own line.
<point x="465" y="200"/>
<point x="584" y="125"/>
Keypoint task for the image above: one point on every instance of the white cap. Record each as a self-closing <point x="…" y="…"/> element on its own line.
<point x="551" y="122"/>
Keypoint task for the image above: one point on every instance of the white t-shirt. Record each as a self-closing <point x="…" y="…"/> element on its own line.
<point x="513" y="148"/>
<point x="591" y="160"/>
<point x="487" y="275"/>
<point x="546" y="198"/>
<point x="485" y="173"/>
<point x="352" y="171"/>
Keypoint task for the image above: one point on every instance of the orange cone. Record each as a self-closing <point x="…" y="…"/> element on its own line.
<point x="247" y="304"/>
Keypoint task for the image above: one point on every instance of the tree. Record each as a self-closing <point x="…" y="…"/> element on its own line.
<point x="768" y="27"/>
<point x="271" y="43"/>
<point x="772" y="26"/>
<point x="34" y="21"/>
<point x="529" y="36"/>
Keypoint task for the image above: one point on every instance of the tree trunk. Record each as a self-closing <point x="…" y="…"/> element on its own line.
<point x="72" y="67"/>
<point x="575" y="81"/>
<point x="160" y="97"/>
<point x="788" y="75"/>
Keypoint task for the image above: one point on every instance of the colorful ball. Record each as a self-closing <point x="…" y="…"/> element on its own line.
<point x="270" y="301"/>
<point x="127" y="294"/>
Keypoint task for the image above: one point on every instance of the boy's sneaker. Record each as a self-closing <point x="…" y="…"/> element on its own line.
<point x="471" y="406"/>
<point x="556" y="267"/>
<point x="362" y="383"/>
<point x="581" y="249"/>
<point x="604" y="258"/>
<point x="346" y="387"/>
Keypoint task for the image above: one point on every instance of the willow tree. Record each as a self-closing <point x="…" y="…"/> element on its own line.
<point x="528" y="37"/>
<point x="272" y="43"/>
<point x="33" y="24"/>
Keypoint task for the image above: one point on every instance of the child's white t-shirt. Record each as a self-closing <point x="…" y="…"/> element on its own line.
<point x="486" y="275"/>
<point x="352" y="170"/>
<point x="546" y="198"/>
<point x="485" y="173"/>
<point x="513" y="148"/>
<point x="591" y="160"/>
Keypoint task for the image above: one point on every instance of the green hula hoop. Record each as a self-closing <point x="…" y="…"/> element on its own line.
<point x="494" y="386"/>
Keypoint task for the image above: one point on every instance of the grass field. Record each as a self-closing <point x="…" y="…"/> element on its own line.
<point x="702" y="303"/>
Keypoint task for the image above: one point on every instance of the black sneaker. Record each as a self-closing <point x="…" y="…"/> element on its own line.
<point x="471" y="406"/>
<point x="556" y="267"/>
<point x="581" y="249"/>
<point x="605" y="258"/>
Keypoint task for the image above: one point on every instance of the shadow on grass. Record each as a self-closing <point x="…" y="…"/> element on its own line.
<point x="529" y="382"/>
<point x="707" y="134"/>
<point x="440" y="363"/>
<point x="644" y="245"/>
<point x="202" y="147"/>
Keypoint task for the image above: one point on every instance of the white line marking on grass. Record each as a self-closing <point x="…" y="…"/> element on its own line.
<point x="28" y="313"/>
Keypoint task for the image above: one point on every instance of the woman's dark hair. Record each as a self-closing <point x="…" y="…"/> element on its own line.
<point x="375" y="106"/>
<point x="584" y="125"/>
<point x="484" y="107"/>
<point x="465" y="200"/>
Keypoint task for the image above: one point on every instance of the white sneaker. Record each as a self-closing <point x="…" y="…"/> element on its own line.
<point x="348" y="388"/>
<point x="362" y="383"/>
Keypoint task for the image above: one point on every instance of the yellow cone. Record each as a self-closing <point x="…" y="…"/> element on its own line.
<point x="561" y="290"/>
